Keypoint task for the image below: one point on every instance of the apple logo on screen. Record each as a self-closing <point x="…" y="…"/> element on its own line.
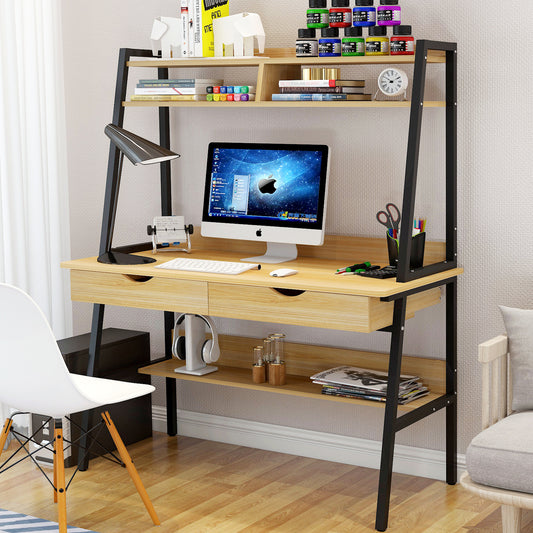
<point x="259" y="233"/>
<point x="267" y="185"/>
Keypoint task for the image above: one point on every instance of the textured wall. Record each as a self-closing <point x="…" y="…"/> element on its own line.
<point x="368" y="159"/>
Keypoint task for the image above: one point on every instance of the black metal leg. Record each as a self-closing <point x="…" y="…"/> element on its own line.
<point x="451" y="382"/>
<point x="170" y="383"/>
<point x="92" y="370"/>
<point x="391" y="410"/>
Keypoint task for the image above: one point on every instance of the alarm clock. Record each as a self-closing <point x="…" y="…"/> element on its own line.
<point x="392" y="82"/>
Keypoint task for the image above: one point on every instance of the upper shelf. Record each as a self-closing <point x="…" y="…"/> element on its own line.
<point x="283" y="56"/>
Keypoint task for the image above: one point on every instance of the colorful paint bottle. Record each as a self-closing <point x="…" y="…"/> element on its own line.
<point x="329" y="45"/>
<point x="389" y="13"/>
<point x="353" y="43"/>
<point x="307" y="43"/>
<point x="340" y="14"/>
<point x="317" y="14"/>
<point x="377" y="42"/>
<point x="402" y="42"/>
<point x="364" y="13"/>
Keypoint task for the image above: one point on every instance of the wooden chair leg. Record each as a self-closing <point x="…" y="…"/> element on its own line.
<point x="5" y="432"/>
<point x="511" y="519"/>
<point x="59" y="477"/>
<point x="55" y="470"/>
<point x="126" y="459"/>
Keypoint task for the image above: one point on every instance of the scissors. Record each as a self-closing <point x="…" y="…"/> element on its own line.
<point x="390" y="218"/>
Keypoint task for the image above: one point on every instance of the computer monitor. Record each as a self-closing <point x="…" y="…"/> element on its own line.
<point x="275" y="193"/>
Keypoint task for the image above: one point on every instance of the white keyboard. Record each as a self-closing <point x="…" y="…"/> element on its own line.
<point x="205" y="265"/>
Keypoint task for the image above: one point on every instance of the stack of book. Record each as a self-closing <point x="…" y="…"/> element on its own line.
<point x="353" y="382"/>
<point x="177" y="89"/>
<point x="323" y="90"/>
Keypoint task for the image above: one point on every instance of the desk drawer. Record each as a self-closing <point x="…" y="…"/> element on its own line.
<point x="314" y="309"/>
<point x="162" y="294"/>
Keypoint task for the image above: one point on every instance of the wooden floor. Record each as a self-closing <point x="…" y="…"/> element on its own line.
<point x="201" y="486"/>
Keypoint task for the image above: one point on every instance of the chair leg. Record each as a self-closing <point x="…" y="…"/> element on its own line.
<point x="59" y="476"/>
<point x="511" y="519"/>
<point x="126" y="459"/>
<point x="5" y="432"/>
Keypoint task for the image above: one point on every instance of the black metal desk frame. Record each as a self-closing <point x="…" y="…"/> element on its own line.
<point x="392" y="423"/>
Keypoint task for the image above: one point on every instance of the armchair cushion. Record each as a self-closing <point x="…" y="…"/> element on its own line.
<point x="519" y="326"/>
<point x="502" y="455"/>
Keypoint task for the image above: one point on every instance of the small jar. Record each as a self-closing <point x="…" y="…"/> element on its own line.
<point x="340" y="14"/>
<point x="353" y="43"/>
<point x="317" y="14"/>
<point x="364" y="13"/>
<point x="377" y="42"/>
<point x="307" y="43"/>
<point x="389" y="13"/>
<point x="402" y="42"/>
<point x="329" y="45"/>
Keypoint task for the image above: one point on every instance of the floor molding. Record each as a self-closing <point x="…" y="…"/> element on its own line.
<point x="329" y="447"/>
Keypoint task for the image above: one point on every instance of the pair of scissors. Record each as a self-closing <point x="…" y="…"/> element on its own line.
<point x="390" y="218"/>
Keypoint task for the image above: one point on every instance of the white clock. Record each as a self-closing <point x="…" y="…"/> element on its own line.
<point x="392" y="82"/>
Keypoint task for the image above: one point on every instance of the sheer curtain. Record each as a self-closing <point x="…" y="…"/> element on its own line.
<point x="34" y="218"/>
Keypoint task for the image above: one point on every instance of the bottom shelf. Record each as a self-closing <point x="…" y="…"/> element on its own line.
<point x="239" y="373"/>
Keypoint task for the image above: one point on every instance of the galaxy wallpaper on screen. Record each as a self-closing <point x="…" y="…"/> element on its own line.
<point x="281" y="184"/>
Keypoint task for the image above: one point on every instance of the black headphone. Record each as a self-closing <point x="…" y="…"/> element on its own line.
<point x="210" y="348"/>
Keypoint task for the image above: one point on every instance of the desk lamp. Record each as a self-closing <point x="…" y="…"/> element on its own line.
<point x="140" y="152"/>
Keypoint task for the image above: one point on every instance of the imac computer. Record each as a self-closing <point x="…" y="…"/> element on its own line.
<point x="274" y="193"/>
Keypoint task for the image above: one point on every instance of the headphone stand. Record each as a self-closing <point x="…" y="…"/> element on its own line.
<point x="194" y="342"/>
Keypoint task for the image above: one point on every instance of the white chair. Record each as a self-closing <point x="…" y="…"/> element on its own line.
<point x="512" y="431"/>
<point x="35" y="379"/>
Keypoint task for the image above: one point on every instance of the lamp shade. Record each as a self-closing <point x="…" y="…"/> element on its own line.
<point x="138" y="150"/>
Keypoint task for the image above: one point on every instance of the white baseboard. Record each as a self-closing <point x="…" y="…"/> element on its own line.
<point x="326" y="446"/>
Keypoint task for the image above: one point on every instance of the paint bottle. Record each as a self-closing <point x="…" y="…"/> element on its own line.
<point x="364" y="13"/>
<point x="329" y="45"/>
<point x="389" y="13"/>
<point x="377" y="42"/>
<point x="307" y="43"/>
<point x="340" y="14"/>
<point x="402" y="42"/>
<point x="353" y="43"/>
<point x="317" y="14"/>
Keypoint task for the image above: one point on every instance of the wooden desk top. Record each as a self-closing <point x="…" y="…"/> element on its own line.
<point x="315" y="273"/>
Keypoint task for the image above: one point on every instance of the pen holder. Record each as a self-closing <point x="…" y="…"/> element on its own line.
<point x="418" y="243"/>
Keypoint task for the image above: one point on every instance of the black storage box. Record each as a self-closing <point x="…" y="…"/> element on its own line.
<point x="122" y="353"/>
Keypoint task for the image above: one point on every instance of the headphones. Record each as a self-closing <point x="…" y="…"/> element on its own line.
<point x="210" y="348"/>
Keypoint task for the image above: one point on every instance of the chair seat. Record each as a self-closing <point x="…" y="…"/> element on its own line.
<point x="106" y="391"/>
<point x="502" y="455"/>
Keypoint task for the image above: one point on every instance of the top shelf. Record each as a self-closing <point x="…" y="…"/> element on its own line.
<point x="283" y="56"/>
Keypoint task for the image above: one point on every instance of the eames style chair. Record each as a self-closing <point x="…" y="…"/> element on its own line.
<point x="34" y="379"/>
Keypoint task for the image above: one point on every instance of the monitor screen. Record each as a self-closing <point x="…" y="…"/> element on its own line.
<point x="270" y="192"/>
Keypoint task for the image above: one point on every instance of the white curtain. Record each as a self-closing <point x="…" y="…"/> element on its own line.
<point x="34" y="218"/>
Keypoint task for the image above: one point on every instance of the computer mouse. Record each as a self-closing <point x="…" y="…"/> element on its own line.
<point x="282" y="272"/>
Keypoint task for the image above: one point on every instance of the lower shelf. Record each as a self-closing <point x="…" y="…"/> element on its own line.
<point x="242" y="378"/>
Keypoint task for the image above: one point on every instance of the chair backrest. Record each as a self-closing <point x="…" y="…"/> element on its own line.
<point x="496" y="387"/>
<point x="33" y="374"/>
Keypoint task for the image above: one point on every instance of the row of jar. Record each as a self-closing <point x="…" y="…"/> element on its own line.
<point x="353" y="43"/>
<point x="340" y="15"/>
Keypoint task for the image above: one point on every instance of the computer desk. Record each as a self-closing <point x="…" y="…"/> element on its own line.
<point x="315" y="297"/>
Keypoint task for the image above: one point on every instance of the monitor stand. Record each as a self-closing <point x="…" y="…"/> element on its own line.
<point x="276" y="252"/>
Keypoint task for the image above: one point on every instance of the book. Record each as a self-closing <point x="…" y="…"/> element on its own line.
<point x="347" y="90"/>
<point x="321" y="83"/>
<point x="319" y="97"/>
<point x="184" y="10"/>
<point x="167" y="97"/>
<point x="183" y="82"/>
<point x="204" y="12"/>
<point x="198" y="89"/>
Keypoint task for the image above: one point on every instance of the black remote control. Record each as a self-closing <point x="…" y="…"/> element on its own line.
<point x="382" y="273"/>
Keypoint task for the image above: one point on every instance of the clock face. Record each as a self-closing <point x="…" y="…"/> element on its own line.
<point x="392" y="81"/>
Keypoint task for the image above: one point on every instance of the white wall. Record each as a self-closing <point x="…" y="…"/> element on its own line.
<point x="494" y="175"/>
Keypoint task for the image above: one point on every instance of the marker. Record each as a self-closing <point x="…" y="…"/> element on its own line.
<point x="365" y="266"/>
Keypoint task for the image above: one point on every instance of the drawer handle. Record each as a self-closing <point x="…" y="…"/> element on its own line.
<point x="288" y="292"/>
<point x="138" y="279"/>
